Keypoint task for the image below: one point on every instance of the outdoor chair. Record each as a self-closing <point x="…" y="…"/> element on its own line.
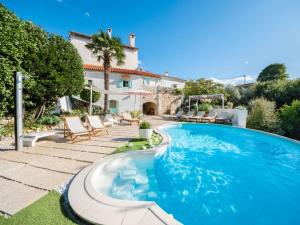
<point x="224" y="117"/>
<point x="109" y="120"/>
<point x="74" y="129"/>
<point x="128" y="118"/>
<point x="95" y="125"/>
<point x="198" y="117"/>
<point x="210" y="117"/>
<point x="29" y="140"/>
<point x="188" y="116"/>
<point x="176" y="116"/>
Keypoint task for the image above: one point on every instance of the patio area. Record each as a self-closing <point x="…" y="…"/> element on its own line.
<point x="27" y="175"/>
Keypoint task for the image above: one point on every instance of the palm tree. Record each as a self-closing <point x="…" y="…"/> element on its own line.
<point x="107" y="48"/>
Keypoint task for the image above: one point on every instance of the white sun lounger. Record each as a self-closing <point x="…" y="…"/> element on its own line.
<point x="109" y="120"/>
<point x="74" y="128"/>
<point x="96" y="125"/>
<point x="29" y="140"/>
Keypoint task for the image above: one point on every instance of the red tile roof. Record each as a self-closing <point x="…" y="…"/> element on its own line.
<point x="89" y="37"/>
<point x="120" y="70"/>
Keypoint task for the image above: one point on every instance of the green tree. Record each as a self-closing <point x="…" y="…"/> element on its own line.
<point x="202" y="87"/>
<point x="247" y="93"/>
<point x="85" y="95"/>
<point x="290" y="117"/>
<point x="280" y="91"/>
<point x="233" y="94"/>
<point x="263" y="116"/>
<point x="12" y="47"/>
<point x="106" y="49"/>
<point x="52" y="66"/>
<point x="59" y="73"/>
<point x="274" y="71"/>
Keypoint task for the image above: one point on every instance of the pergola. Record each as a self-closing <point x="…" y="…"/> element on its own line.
<point x="201" y="97"/>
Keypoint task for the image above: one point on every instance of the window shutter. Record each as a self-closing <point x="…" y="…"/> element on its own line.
<point x="130" y="84"/>
<point x="120" y="84"/>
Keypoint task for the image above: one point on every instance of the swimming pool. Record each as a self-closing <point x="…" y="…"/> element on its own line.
<point x="215" y="174"/>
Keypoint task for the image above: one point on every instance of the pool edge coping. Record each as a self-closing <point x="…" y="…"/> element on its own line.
<point x="82" y="186"/>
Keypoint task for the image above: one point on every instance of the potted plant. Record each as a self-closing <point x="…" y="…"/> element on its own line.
<point x="145" y="130"/>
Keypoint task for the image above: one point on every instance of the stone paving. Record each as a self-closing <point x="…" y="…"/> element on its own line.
<point x="27" y="175"/>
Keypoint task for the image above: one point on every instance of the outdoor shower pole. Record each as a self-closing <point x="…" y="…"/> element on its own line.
<point x="18" y="111"/>
<point x="91" y="97"/>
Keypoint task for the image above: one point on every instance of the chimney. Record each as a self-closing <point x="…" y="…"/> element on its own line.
<point x="131" y="40"/>
<point x="109" y="32"/>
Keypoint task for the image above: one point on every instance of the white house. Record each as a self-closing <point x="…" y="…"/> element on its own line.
<point x="126" y="79"/>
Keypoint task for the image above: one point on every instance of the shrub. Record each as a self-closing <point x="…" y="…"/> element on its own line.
<point x="233" y="94"/>
<point x="135" y="114"/>
<point x="263" y="116"/>
<point x="281" y="91"/>
<point x="177" y="91"/>
<point x="145" y="125"/>
<point x="2" y="131"/>
<point x="49" y="120"/>
<point x="205" y="107"/>
<point x="241" y="107"/>
<point x="290" y="117"/>
<point x="85" y="95"/>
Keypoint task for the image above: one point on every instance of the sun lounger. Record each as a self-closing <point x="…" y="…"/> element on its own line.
<point x="109" y="120"/>
<point x="224" y="117"/>
<point x="74" y="128"/>
<point x="128" y="118"/>
<point x="198" y="117"/>
<point x="188" y="116"/>
<point x="176" y="116"/>
<point x="210" y="117"/>
<point x="95" y="124"/>
<point x="29" y="140"/>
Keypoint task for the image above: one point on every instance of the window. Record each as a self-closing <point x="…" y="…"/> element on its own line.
<point x="88" y="82"/>
<point x="125" y="83"/>
<point x="174" y="85"/>
<point x="146" y="81"/>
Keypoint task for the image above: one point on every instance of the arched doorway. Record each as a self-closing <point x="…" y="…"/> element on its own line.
<point x="149" y="108"/>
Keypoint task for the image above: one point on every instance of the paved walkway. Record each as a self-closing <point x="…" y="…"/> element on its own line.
<point x="27" y="175"/>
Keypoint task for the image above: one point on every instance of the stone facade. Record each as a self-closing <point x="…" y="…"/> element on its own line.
<point x="164" y="102"/>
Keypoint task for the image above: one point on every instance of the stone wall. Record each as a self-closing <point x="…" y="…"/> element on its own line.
<point x="165" y="100"/>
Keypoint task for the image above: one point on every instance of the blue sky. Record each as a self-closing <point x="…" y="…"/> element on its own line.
<point x="188" y="38"/>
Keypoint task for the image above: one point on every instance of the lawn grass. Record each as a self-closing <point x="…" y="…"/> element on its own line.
<point x="45" y="211"/>
<point x="140" y="144"/>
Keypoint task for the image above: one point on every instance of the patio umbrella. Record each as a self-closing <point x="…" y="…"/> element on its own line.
<point x="140" y="93"/>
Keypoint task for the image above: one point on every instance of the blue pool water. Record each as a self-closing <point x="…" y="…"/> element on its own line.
<point x="214" y="174"/>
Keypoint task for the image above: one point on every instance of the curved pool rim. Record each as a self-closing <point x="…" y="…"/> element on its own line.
<point x="82" y="192"/>
<point x="103" y="199"/>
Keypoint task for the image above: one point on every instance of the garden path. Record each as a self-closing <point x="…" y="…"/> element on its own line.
<point x="27" y="175"/>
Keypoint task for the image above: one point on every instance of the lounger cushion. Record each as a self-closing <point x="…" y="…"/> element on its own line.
<point x="75" y="125"/>
<point x="95" y="122"/>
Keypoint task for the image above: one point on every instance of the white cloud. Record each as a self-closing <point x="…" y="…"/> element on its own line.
<point x="87" y="14"/>
<point x="234" y="81"/>
<point x="59" y="1"/>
